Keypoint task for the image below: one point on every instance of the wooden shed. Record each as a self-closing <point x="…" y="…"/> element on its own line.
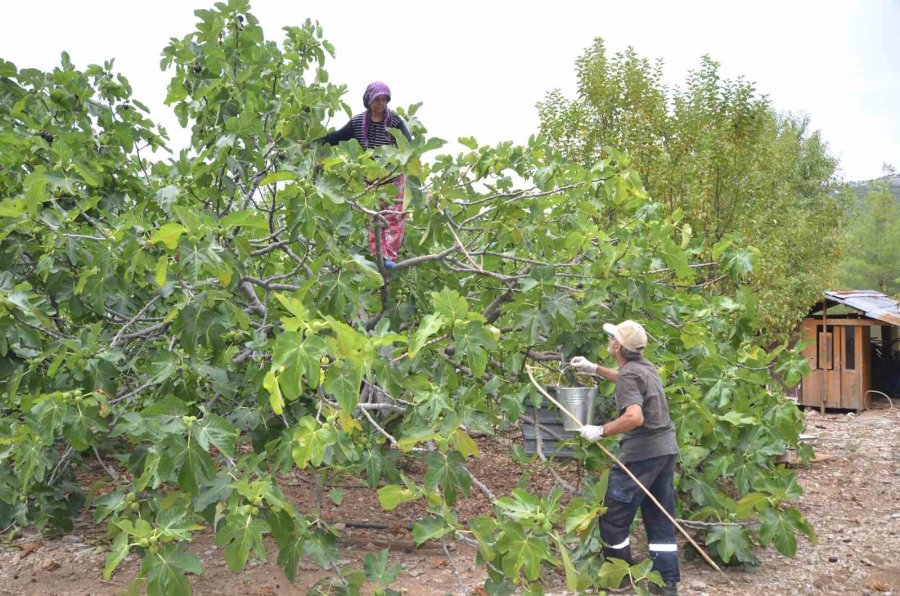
<point x="854" y="349"/>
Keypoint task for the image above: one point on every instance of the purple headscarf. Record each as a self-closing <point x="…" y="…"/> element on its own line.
<point x="372" y="91"/>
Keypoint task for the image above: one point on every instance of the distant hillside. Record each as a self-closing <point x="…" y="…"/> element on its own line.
<point x="864" y="187"/>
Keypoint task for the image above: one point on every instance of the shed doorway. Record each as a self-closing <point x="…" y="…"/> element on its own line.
<point x="838" y="358"/>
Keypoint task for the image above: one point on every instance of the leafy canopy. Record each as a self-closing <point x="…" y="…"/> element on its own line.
<point x="872" y="237"/>
<point x="716" y="151"/>
<point x="213" y="321"/>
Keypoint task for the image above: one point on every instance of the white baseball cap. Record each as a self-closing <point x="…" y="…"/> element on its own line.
<point x="628" y="333"/>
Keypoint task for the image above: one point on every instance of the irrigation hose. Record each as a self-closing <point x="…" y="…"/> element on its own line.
<point x="630" y="475"/>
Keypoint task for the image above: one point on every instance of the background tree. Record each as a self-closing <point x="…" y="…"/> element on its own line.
<point x="873" y="241"/>
<point x="717" y="152"/>
<point x="213" y="321"/>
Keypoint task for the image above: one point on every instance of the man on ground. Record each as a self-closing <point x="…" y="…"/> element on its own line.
<point x="648" y="448"/>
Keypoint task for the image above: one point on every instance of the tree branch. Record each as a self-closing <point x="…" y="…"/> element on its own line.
<point x="695" y="266"/>
<point x="544" y="356"/>
<point x="128" y="323"/>
<point x="61" y="465"/>
<point x="481" y="486"/>
<point x="132" y="393"/>
<point x="412" y="262"/>
<point x="112" y="473"/>
<point x="84" y="237"/>
<point x="462" y="586"/>
<point x="492" y="312"/>
<point x="52" y="334"/>
<point x="256" y="306"/>
<point x="381" y="430"/>
<point x="269" y="286"/>
<point x="460" y="244"/>
<point x="146" y="331"/>
<point x="523" y="196"/>
<point x="270" y="248"/>
<point x="458" y="267"/>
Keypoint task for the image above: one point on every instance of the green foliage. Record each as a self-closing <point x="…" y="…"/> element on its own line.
<point x="719" y="158"/>
<point x="375" y="566"/>
<point x="872" y="238"/>
<point x="614" y="571"/>
<point x="215" y="320"/>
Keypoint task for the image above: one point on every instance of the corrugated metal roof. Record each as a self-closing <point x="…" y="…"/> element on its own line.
<point x="874" y="304"/>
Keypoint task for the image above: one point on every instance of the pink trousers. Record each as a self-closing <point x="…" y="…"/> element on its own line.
<point x="392" y="234"/>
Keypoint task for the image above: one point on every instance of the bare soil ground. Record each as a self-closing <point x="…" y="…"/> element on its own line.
<point x="851" y="498"/>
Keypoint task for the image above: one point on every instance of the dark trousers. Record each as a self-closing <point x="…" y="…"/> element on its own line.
<point x="623" y="497"/>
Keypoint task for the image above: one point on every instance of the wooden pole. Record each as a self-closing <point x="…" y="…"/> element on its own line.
<point x="829" y="344"/>
<point x="630" y="475"/>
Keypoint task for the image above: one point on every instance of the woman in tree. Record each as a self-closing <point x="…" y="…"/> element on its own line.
<point x="370" y="130"/>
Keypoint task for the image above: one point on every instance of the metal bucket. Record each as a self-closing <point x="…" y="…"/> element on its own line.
<point x="580" y="402"/>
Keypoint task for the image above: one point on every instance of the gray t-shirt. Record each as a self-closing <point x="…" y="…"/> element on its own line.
<point x="639" y="383"/>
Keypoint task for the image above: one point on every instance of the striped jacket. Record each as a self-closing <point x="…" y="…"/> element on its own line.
<point x="378" y="135"/>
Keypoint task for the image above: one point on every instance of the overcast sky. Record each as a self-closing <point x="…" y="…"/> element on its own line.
<point x="480" y="66"/>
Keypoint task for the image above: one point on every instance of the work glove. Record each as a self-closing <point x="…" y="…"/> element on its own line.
<point x="582" y="364"/>
<point x="591" y="433"/>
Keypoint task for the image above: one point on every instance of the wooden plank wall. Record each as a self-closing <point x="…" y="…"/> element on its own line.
<point x="833" y="366"/>
<point x="811" y="395"/>
<point x="851" y="396"/>
<point x="864" y="350"/>
<point x="830" y="380"/>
